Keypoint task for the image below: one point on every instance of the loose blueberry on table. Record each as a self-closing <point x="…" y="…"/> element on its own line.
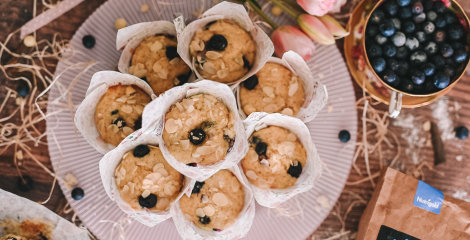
<point x="344" y="136"/>
<point x="417" y="46"/>
<point x="77" y="193"/>
<point x="461" y="132"/>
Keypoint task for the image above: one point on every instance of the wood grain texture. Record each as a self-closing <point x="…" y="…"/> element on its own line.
<point x="14" y="13"/>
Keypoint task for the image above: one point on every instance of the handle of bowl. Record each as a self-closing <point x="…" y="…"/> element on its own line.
<point x="394" y="107"/>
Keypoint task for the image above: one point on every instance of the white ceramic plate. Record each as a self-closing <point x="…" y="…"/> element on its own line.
<point x="70" y="152"/>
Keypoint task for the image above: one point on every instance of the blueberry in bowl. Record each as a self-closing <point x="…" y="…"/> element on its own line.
<point x="417" y="47"/>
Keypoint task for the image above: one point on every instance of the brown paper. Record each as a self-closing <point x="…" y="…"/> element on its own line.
<point x="392" y="206"/>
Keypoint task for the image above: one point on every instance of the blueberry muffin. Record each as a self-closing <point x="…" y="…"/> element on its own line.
<point x="12" y="237"/>
<point x="223" y="51"/>
<point x="216" y="203"/>
<point x="119" y="112"/>
<point x="275" y="158"/>
<point x="156" y="61"/>
<point x="274" y="89"/>
<point x="199" y="130"/>
<point x="145" y="180"/>
<point x="31" y="229"/>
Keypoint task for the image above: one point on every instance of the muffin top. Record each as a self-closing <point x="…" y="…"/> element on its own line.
<point x="216" y="203"/>
<point x="275" y="159"/>
<point x="156" y="61"/>
<point x="223" y="51"/>
<point x="274" y="89"/>
<point x="31" y="229"/>
<point x="119" y="112"/>
<point x="199" y="130"/>
<point x="145" y="180"/>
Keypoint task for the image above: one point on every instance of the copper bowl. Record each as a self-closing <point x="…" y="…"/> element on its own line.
<point x="395" y="104"/>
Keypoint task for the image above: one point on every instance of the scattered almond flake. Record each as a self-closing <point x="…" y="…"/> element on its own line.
<point x="461" y="194"/>
<point x="441" y="114"/>
<point x="269" y="91"/>
<point x="126" y="109"/>
<point x="122" y="99"/>
<point x="185" y="144"/>
<point x="125" y="188"/>
<point x="291" y="137"/>
<point x="144" y="8"/>
<point x="459" y="158"/>
<point x="414" y="136"/>
<point x="125" y="155"/>
<point x="131" y="187"/>
<point x="204" y="199"/>
<point x="19" y="155"/>
<point x="222" y="65"/>
<point x="270" y="108"/>
<point x="127" y="130"/>
<point x="252" y="175"/>
<point x="120" y="23"/>
<point x="179" y="106"/>
<point x="19" y="100"/>
<point x="130" y="91"/>
<point x="200" y="212"/>
<point x="147" y="182"/>
<point x="131" y="101"/>
<point x="29" y="41"/>
<point x="427" y="126"/>
<point x="209" y="210"/>
<point x="239" y="60"/>
<point x="220" y="199"/>
<point x="323" y="201"/>
<point x="276" y="11"/>
<point x="146" y="193"/>
<point x="190" y="109"/>
<point x="162" y="73"/>
<point x="197" y="45"/>
<point x="157" y="45"/>
<point x="293" y="89"/>
<point x="139" y="109"/>
<point x="209" y="68"/>
<point x="70" y="181"/>
<point x="264" y="162"/>
<point x="162" y="171"/>
<point x="115" y="128"/>
<point x="169" y="189"/>
<point x="287" y="111"/>
<point x="267" y="99"/>
<point x="330" y="107"/>
<point x="214" y="189"/>
<point x="157" y="166"/>
<point x="213" y="55"/>
<point x="222" y="73"/>
<point x="171" y="126"/>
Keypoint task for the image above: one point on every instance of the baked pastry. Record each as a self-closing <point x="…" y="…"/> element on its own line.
<point x="274" y="89"/>
<point x="119" y="112"/>
<point x="215" y="203"/>
<point x="156" y="61"/>
<point x="12" y="237"/>
<point x="275" y="159"/>
<point x="223" y="51"/>
<point x="199" y="130"/>
<point x="145" y="180"/>
<point x="31" y="229"/>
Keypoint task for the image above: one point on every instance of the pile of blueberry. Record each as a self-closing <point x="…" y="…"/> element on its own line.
<point x="416" y="46"/>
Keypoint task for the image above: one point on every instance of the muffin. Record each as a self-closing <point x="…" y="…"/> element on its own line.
<point x="275" y="159"/>
<point x="146" y="181"/>
<point x="31" y="229"/>
<point x="12" y="237"/>
<point x="199" y="130"/>
<point x="223" y="51"/>
<point x="156" y="61"/>
<point x="214" y="204"/>
<point x="119" y="112"/>
<point x="274" y="89"/>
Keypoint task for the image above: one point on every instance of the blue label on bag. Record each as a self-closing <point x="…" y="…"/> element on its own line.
<point x="428" y="198"/>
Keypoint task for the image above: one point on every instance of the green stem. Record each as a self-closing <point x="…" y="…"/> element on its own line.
<point x="265" y="17"/>
<point x="293" y="4"/>
<point x="286" y="9"/>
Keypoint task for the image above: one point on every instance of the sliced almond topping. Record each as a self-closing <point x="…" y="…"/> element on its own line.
<point x="222" y="73"/>
<point x="220" y="199"/>
<point x="171" y="126"/>
<point x="127" y="130"/>
<point x="249" y="109"/>
<point x="200" y="212"/>
<point x="126" y="108"/>
<point x="169" y="189"/>
<point x="179" y="106"/>
<point x="239" y="60"/>
<point x="209" y="210"/>
<point x="131" y="101"/>
<point x="130" y="91"/>
<point x="286" y="148"/>
<point x="251" y="174"/>
<point x="123" y="135"/>
<point x="157" y="166"/>
<point x="125" y="188"/>
<point x="270" y="108"/>
<point x="131" y="187"/>
<point x="269" y="91"/>
<point x="293" y="89"/>
<point x="162" y="171"/>
<point x="162" y="73"/>
<point x="209" y="68"/>
<point x="122" y="99"/>
<point x="114" y="128"/>
<point x="139" y="109"/>
<point x="157" y="45"/>
<point x="267" y="99"/>
<point x="146" y="193"/>
<point x="196" y="45"/>
<point x="287" y="111"/>
<point x="213" y="55"/>
<point x="291" y="137"/>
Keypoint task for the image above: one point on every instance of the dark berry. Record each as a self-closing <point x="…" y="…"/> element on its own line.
<point x="390" y="77"/>
<point x="409" y="27"/>
<point x="419" y="18"/>
<point x="379" y="64"/>
<point x="440" y="36"/>
<point x="438" y="61"/>
<point x="460" y="56"/>
<point x="403" y="3"/>
<point x="461" y="132"/>
<point x="141" y="151"/>
<point x="407" y="86"/>
<point x="295" y="169"/>
<point x="439" y="7"/>
<point x="391" y="8"/>
<point x="440" y="22"/>
<point x="458" y="45"/>
<point x="246" y="63"/>
<point x="204" y="220"/>
<point x="197" y="187"/>
<point x="446" y="50"/>
<point x="377" y="16"/>
<point x="429" y="27"/>
<point x="209" y="24"/>
<point x="149" y="202"/>
<point x="441" y="80"/>
<point x="396" y="23"/>
<point x="455" y="32"/>
<point x="252" y="82"/>
<point x="261" y="148"/>
<point x="197" y="136"/>
<point x="427" y="5"/>
<point x="88" y="41"/>
<point x="25" y="183"/>
<point x="390" y="50"/>
<point x="402" y="53"/>
<point x="372" y="30"/>
<point x="217" y="43"/>
<point x="193" y="164"/>
<point x="119" y="122"/>
<point x="421" y="36"/>
<point x="182" y="79"/>
<point x="115" y="112"/>
<point x="344" y="136"/>
<point x="380" y="39"/>
<point x="78" y="193"/>
<point x="431" y="48"/>
<point x="399" y="39"/>
<point x="217" y="230"/>
<point x="429" y="69"/>
<point x="412" y="43"/>
<point x="418" y="77"/>
<point x="417" y="8"/>
<point x="431" y="15"/>
<point x="405" y="13"/>
<point x="387" y="29"/>
<point x="138" y="123"/>
<point x="403" y="68"/>
<point x="23" y="89"/>
<point x="418" y="57"/>
<point x="449" y="71"/>
<point x="171" y="52"/>
<point x="145" y="79"/>
<point x="450" y="17"/>
<point x="392" y="64"/>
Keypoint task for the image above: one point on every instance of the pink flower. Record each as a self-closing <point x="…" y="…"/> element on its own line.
<point x="317" y="7"/>
<point x="315" y="29"/>
<point x="288" y="37"/>
<point x="337" y="7"/>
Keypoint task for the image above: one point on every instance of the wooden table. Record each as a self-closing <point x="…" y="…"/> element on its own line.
<point x="449" y="177"/>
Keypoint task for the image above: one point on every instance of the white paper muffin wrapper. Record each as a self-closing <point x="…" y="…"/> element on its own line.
<point x="153" y="119"/>
<point x="316" y="95"/>
<point x="108" y="165"/>
<point x="85" y="113"/>
<point x="236" y="13"/>
<point x="239" y="229"/>
<point x="311" y="171"/>
<point x="20" y="209"/>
